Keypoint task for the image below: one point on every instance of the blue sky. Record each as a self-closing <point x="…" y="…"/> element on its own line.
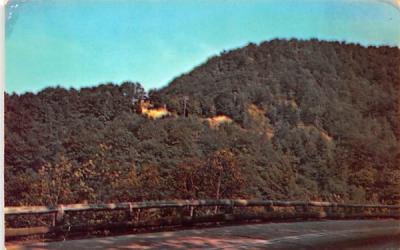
<point x="77" y="43"/>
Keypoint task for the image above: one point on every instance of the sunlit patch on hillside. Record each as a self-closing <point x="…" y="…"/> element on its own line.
<point x="256" y="112"/>
<point x="322" y="132"/>
<point x="147" y="109"/>
<point x="286" y="102"/>
<point x="218" y="120"/>
<point x="263" y="123"/>
<point x="270" y="133"/>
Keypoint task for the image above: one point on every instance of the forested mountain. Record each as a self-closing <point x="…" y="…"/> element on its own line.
<point x="310" y="120"/>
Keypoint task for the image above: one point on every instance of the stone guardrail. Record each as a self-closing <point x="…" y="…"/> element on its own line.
<point x="273" y="210"/>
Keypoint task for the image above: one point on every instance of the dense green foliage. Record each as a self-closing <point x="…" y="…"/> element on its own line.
<point x="312" y="120"/>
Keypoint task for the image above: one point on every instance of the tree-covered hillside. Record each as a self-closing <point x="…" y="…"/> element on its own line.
<point x="311" y="120"/>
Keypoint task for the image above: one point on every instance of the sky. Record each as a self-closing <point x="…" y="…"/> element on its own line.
<point x="80" y="43"/>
